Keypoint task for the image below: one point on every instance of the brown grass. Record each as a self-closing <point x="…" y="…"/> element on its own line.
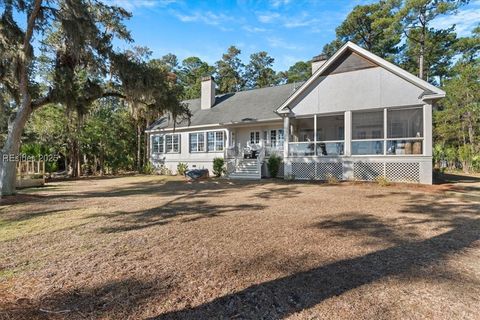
<point x="152" y="247"/>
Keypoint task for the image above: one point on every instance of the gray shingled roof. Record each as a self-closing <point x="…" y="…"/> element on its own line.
<point x="250" y="105"/>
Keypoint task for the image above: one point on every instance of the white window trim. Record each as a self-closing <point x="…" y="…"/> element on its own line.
<point x="205" y="134"/>
<point x="164" y="143"/>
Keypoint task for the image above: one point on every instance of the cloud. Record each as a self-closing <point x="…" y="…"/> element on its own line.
<point x="208" y="17"/>
<point x="253" y="29"/>
<point x="268" y="17"/>
<point x="279" y="3"/>
<point x="131" y="5"/>
<point x="277" y="42"/>
<point x="464" y="20"/>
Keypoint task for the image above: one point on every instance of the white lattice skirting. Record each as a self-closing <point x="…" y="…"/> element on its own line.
<point x="394" y="170"/>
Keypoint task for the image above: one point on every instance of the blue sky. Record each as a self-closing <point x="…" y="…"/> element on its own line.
<point x="289" y="30"/>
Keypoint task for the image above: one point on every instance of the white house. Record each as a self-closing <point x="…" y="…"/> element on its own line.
<point x="357" y="117"/>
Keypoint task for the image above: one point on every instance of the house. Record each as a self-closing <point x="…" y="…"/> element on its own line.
<point x="357" y="117"/>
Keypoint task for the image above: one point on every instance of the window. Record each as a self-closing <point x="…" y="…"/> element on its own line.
<point x="255" y="137"/>
<point x="197" y="142"/>
<point x="172" y="143"/>
<point x="215" y="141"/>
<point x="157" y="144"/>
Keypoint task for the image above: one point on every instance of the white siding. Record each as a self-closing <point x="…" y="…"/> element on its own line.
<point x="362" y="89"/>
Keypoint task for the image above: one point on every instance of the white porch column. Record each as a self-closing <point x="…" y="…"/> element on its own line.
<point x="427" y="130"/>
<point x="286" y="135"/>
<point x="348" y="133"/>
<point x="315" y="134"/>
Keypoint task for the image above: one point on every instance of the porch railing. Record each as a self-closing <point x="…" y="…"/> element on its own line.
<point x="324" y="148"/>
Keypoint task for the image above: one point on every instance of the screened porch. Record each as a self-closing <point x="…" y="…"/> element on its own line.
<point x="377" y="132"/>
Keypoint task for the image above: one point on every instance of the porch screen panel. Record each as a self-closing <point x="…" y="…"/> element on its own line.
<point x="368" y="133"/>
<point x="330" y="135"/>
<point x="405" y="131"/>
<point x="405" y="123"/>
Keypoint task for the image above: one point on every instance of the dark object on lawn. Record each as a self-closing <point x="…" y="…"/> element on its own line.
<point x="197" y="174"/>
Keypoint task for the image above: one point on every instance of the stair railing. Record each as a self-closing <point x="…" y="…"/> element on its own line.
<point x="260" y="158"/>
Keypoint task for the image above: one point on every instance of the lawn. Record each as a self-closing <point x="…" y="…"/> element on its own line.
<point x="155" y="247"/>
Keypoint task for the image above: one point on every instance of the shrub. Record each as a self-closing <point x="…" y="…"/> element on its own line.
<point x="273" y="165"/>
<point x="148" y="168"/>
<point x="218" y="166"/>
<point x="164" y="171"/>
<point x="382" y="181"/>
<point x="331" y="179"/>
<point x="182" y="168"/>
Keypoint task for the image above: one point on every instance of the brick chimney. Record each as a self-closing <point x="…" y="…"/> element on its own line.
<point x="207" y="98"/>
<point x="318" y="61"/>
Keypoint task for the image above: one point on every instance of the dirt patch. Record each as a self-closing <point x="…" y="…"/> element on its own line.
<point x="151" y="247"/>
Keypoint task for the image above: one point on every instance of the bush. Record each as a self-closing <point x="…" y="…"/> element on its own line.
<point x="148" y="168"/>
<point x="165" y="171"/>
<point x="182" y="168"/>
<point x="331" y="179"/>
<point x="382" y="181"/>
<point x="273" y="165"/>
<point x="218" y="166"/>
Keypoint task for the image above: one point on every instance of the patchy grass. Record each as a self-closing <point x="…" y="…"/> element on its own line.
<point x="149" y="246"/>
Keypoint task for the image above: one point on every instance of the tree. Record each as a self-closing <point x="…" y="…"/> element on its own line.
<point x="82" y="67"/>
<point x="300" y="71"/>
<point x="259" y="73"/>
<point x="372" y="27"/>
<point x="469" y="47"/>
<point x="230" y="69"/>
<point x="440" y="50"/>
<point x="416" y="16"/>
<point x="190" y="75"/>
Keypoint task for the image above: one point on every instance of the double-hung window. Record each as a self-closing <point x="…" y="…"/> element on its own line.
<point x="197" y="142"/>
<point x="211" y="141"/>
<point x="157" y="144"/>
<point x="172" y="143"/>
<point x="167" y="143"/>
<point x="215" y="141"/>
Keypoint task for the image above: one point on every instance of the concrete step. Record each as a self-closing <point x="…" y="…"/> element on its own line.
<point x="244" y="176"/>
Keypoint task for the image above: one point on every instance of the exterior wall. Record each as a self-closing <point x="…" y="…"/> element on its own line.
<point x="356" y="90"/>
<point x="242" y="134"/>
<point x="194" y="160"/>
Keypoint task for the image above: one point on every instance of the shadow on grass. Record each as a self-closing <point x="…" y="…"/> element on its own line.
<point x="279" y="298"/>
<point x="193" y="210"/>
<point x="284" y="296"/>
<point x="115" y="299"/>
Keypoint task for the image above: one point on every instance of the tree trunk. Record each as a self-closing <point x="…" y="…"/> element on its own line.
<point x="12" y="147"/>
<point x="423" y="35"/>
<point x="139" y="147"/>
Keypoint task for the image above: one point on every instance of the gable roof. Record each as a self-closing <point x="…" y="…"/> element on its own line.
<point x="430" y="91"/>
<point x="238" y="107"/>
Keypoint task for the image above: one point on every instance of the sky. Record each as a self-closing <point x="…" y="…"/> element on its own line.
<point x="289" y="30"/>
